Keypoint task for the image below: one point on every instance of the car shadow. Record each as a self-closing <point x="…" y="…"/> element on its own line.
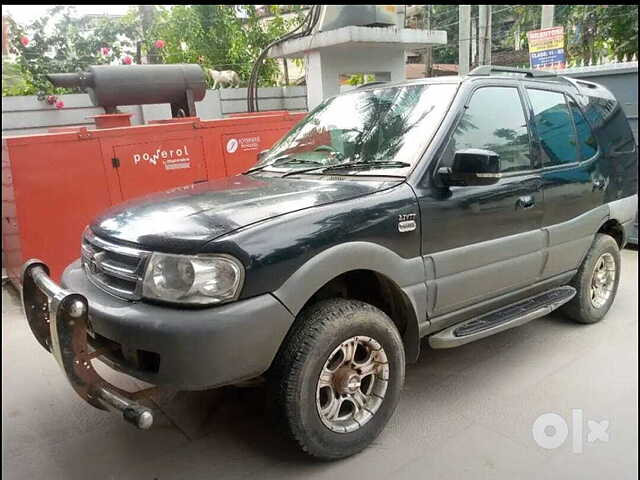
<point x="242" y="415"/>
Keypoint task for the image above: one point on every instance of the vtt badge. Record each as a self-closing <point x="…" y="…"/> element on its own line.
<point x="407" y="222"/>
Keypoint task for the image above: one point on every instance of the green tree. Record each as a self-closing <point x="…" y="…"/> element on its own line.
<point x="592" y="32"/>
<point x="62" y="42"/>
<point x="597" y="31"/>
<point x="445" y="17"/>
<point x="360" y="79"/>
<point x="223" y="37"/>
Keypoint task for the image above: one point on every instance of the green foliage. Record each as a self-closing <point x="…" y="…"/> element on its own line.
<point x="601" y="31"/>
<point x="360" y="79"/>
<point x="445" y="17"/>
<point x="591" y="31"/>
<point x="222" y="37"/>
<point x="60" y="42"/>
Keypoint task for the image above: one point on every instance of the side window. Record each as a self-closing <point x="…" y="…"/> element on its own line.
<point x="495" y="121"/>
<point x="554" y="126"/>
<point x="586" y="139"/>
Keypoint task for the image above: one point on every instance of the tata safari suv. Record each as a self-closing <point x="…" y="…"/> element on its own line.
<point x="449" y="208"/>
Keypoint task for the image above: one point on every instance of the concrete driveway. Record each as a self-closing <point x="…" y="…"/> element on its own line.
<point x="465" y="413"/>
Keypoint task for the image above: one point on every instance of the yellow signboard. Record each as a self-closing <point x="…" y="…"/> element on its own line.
<point x="546" y="39"/>
<point x="546" y="48"/>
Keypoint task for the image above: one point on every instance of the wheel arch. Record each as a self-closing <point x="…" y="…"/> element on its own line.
<point x="367" y="272"/>
<point x="621" y="212"/>
<point x="613" y="228"/>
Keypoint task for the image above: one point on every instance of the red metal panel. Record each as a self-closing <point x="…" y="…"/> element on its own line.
<point x="158" y="165"/>
<point x="241" y="148"/>
<point x="54" y="184"/>
<point x="58" y="190"/>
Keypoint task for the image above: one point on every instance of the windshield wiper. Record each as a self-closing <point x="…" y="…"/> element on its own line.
<point x="283" y="161"/>
<point x="255" y="169"/>
<point x="367" y="165"/>
<point x="296" y="161"/>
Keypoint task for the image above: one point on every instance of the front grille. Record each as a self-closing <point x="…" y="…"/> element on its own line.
<point x="116" y="269"/>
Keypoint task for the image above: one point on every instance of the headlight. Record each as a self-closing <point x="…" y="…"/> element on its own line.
<point x="202" y="279"/>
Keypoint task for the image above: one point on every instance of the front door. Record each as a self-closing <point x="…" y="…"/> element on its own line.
<point x="479" y="242"/>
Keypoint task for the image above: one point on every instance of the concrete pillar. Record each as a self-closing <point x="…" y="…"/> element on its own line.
<point x="482" y="33"/>
<point x="547" y="16"/>
<point x="324" y="68"/>
<point x="314" y="79"/>
<point x="475" y="60"/>
<point x="488" y="45"/>
<point x="354" y="50"/>
<point x="464" y="38"/>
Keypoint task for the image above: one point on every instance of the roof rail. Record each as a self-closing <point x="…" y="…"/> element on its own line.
<point x="489" y="69"/>
<point x="369" y="84"/>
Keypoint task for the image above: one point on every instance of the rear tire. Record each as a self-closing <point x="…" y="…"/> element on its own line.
<point x="336" y="338"/>
<point x="596" y="282"/>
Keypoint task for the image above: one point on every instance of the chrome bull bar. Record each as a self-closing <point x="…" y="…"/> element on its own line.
<point x="59" y="319"/>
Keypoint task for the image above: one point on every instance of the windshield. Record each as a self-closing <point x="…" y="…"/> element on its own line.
<point x="384" y="128"/>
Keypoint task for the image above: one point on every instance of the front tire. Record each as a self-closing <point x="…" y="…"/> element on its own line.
<point x="337" y="378"/>
<point x="596" y="282"/>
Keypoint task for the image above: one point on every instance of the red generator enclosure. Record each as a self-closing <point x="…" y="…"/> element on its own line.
<point x="54" y="184"/>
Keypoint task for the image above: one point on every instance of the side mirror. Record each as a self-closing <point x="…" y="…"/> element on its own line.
<point x="472" y="167"/>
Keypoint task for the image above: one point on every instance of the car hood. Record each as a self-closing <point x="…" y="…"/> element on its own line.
<point x="183" y="219"/>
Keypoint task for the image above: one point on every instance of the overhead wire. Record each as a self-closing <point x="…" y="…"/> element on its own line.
<point x="309" y="24"/>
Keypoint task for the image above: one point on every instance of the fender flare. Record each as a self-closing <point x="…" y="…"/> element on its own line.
<point x="407" y="273"/>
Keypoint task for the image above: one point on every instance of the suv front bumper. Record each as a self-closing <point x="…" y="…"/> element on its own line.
<point x="191" y="349"/>
<point x="58" y="319"/>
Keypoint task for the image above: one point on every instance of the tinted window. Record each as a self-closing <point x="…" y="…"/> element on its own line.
<point x="555" y="129"/>
<point x="606" y="115"/>
<point x="495" y="121"/>
<point x="586" y="140"/>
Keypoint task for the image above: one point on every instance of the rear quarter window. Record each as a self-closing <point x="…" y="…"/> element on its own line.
<point x="611" y="125"/>
<point x="587" y="144"/>
<point x="554" y="126"/>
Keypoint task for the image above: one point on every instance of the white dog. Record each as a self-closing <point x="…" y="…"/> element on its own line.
<point x="224" y="77"/>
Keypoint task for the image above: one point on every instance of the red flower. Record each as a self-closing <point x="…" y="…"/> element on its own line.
<point x="105" y="51"/>
<point x="24" y="40"/>
<point x="159" y="44"/>
<point x="59" y="104"/>
<point x="51" y="99"/>
<point x="127" y="60"/>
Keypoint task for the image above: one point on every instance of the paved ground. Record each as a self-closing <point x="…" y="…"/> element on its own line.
<point x="465" y="413"/>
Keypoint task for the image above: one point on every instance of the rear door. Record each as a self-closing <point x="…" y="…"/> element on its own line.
<point x="573" y="183"/>
<point x="482" y="241"/>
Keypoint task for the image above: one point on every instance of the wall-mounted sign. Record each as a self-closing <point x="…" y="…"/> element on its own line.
<point x="546" y="48"/>
<point x="245" y="144"/>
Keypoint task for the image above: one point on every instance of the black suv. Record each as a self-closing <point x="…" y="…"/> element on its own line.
<point x="449" y="208"/>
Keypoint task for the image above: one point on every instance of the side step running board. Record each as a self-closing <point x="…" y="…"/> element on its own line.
<point x="503" y="319"/>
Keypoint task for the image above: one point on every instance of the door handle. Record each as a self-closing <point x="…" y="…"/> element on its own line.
<point x="524" y="202"/>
